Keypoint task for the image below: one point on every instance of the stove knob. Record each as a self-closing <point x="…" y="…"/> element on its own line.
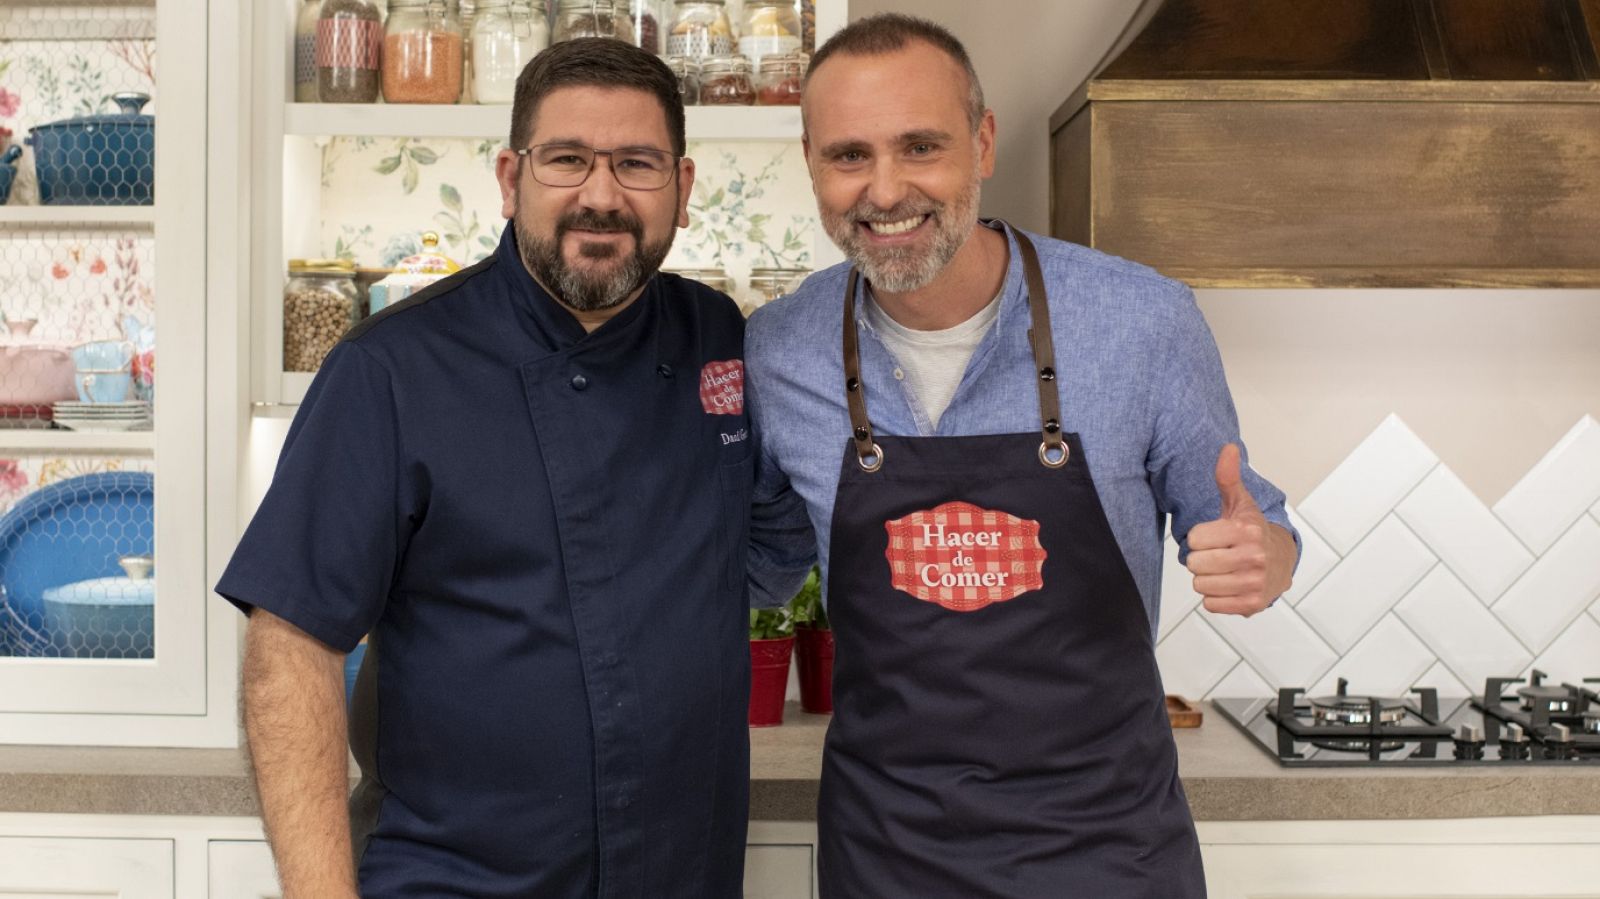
<point x="1469" y="744"/>
<point x="1559" y="745"/>
<point x="1514" y="743"/>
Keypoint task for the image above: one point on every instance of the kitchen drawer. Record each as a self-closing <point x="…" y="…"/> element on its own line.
<point x="70" y="868"/>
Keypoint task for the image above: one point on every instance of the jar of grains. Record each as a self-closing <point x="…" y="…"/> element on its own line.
<point x="645" y="27"/>
<point x="349" y="47"/>
<point x="770" y="27"/>
<point x="504" y="38"/>
<point x="700" y="28"/>
<point x="725" y="81"/>
<point x="779" y="79"/>
<point x="422" y="48"/>
<point x="319" y="305"/>
<point x="687" y="71"/>
<point x="587" y="18"/>
<point x="305" y="51"/>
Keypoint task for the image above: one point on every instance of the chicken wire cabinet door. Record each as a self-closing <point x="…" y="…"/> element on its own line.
<point x="80" y="869"/>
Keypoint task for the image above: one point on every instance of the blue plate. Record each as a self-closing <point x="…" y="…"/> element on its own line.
<point x="72" y="530"/>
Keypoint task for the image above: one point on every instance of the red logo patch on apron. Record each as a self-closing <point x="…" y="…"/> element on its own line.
<point x="722" y="387"/>
<point x="963" y="557"/>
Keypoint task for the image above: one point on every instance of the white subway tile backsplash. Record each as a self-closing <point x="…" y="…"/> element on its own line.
<point x="1367" y="484"/>
<point x="1244" y="683"/>
<point x="1193" y="658"/>
<point x="1367" y="584"/>
<point x="1557" y="490"/>
<point x="1574" y="655"/>
<point x="1459" y="629"/>
<point x="1444" y="683"/>
<point x="1277" y="643"/>
<point x="1386" y="662"/>
<point x="1404" y="570"/>
<point x="1560" y="585"/>
<point x="1464" y="534"/>
<point x="1317" y="558"/>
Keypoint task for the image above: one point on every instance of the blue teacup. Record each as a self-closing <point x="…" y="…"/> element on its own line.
<point x="104" y="385"/>
<point x="102" y="355"/>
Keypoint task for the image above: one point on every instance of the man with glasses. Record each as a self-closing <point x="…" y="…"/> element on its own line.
<point x="530" y="484"/>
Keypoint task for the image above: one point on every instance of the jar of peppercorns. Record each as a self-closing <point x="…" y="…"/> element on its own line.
<point x="319" y="305"/>
<point x="779" y="80"/>
<point x="725" y="81"/>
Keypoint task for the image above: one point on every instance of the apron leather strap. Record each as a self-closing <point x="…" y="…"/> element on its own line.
<point x="1052" y="445"/>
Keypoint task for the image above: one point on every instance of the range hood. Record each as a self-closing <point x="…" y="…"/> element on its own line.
<point x="1342" y="143"/>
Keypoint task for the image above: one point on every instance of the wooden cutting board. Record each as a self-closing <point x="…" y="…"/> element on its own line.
<point x="1182" y="713"/>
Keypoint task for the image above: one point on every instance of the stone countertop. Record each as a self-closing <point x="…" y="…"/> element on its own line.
<point x="1227" y="778"/>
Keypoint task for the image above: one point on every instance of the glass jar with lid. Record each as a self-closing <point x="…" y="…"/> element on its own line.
<point x="700" y="28"/>
<point x="687" y="71"/>
<point x="505" y="36"/>
<point x="769" y="27"/>
<point x="422" y="52"/>
<point x="780" y="78"/>
<point x="587" y="18"/>
<point x="767" y="284"/>
<point x="305" y="51"/>
<point x="644" y="24"/>
<point x="348" y="47"/>
<point x="319" y="305"/>
<point x="725" y="81"/>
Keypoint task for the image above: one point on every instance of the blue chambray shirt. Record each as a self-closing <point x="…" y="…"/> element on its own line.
<point x="1140" y="379"/>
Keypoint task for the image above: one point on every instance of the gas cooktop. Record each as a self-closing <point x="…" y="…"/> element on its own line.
<point x="1540" y="724"/>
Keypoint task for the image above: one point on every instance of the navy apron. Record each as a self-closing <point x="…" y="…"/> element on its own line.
<point x="999" y="727"/>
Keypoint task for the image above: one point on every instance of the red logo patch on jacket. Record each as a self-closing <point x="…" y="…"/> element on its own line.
<point x="964" y="557"/>
<point x="722" y="387"/>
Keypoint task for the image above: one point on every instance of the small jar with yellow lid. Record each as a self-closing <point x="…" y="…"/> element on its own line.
<point x="319" y="306"/>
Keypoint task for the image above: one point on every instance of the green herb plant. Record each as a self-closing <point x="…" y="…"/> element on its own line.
<point x="807" y="604"/>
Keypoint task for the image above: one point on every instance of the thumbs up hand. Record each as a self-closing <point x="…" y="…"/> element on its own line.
<point x="1241" y="562"/>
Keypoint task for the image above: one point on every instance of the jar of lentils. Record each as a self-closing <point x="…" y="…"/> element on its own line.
<point x="422" y="52"/>
<point x="725" y="81"/>
<point x="319" y="305"/>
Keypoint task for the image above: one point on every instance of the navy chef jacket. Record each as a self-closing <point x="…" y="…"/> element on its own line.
<point x="543" y="531"/>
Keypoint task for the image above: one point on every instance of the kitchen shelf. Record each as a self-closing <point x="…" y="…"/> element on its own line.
<point x="51" y="440"/>
<point x="78" y="216"/>
<point x="722" y="123"/>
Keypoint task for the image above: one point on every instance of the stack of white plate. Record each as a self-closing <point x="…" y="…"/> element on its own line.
<point x="128" y="416"/>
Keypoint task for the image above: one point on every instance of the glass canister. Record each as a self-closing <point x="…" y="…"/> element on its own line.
<point x="504" y="37"/>
<point x="700" y="28"/>
<point x="687" y="71"/>
<point x="349" y="48"/>
<point x="422" y="50"/>
<point x="644" y="24"/>
<point x="305" y="51"/>
<point x="587" y="18"/>
<point x="725" y="81"/>
<point x="767" y="284"/>
<point x="769" y="27"/>
<point x="320" y="304"/>
<point x="779" y="79"/>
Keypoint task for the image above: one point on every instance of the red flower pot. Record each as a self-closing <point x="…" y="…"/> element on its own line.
<point x="814" y="655"/>
<point x="769" y="679"/>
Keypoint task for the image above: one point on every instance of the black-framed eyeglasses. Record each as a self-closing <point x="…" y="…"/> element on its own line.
<point x="569" y="165"/>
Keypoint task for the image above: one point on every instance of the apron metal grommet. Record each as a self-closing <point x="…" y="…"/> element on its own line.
<point x="1045" y="451"/>
<point x="876" y="457"/>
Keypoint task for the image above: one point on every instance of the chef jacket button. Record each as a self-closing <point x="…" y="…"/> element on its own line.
<point x="579" y="382"/>
<point x="664" y="370"/>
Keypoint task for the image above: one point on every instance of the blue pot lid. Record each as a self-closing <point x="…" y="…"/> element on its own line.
<point x="129" y="103"/>
<point x="104" y="591"/>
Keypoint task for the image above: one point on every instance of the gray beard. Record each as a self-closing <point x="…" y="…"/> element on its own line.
<point x="902" y="270"/>
<point x="586" y="292"/>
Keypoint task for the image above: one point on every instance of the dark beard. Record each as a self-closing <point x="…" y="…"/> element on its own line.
<point x="582" y="291"/>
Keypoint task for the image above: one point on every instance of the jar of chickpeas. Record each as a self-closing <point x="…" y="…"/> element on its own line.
<point x="319" y="306"/>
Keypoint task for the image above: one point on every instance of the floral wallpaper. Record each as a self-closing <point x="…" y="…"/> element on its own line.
<point x="21" y="475"/>
<point x="751" y="205"/>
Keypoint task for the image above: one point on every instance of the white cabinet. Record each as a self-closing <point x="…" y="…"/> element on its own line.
<point x="1499" y="858"/>
<point x="35" y="868"/>
<point x="241" y="869"/>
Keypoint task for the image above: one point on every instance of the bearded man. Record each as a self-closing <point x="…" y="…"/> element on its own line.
<point x="940" y="403"/>
<point x="530" y="485"/>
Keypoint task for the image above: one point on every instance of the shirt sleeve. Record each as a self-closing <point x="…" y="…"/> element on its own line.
<point x="783" y="545"/>
<point x="323" y="547"/>
<point x="1194" y="419"/>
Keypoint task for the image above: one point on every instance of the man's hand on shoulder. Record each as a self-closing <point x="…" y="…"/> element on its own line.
<point x="1241" y="562"/>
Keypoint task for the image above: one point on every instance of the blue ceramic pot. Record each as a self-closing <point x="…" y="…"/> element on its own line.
<point x="8" y="171"/>
<point x="97" y="160"/>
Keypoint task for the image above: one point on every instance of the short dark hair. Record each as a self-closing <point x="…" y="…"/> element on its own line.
<point x="594" y="62"/>
<point x="888" y="32"/>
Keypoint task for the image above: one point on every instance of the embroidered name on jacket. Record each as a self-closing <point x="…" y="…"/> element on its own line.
<point x="964" y="557"/>
<point x="722" y="387"/>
